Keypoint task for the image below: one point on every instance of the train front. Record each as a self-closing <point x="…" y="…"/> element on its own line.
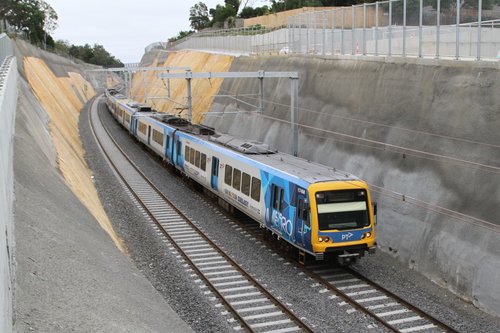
<point x="342" y="220"/>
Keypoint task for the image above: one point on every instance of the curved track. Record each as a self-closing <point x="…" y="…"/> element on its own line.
<point x="254" y="307"/>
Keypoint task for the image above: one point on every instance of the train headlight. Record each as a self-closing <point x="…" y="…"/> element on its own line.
<point x="323" y="239"/>
<point x="366" y="235"/>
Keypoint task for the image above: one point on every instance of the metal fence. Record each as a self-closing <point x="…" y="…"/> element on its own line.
<point x="399" y="28"/>
<point x="6" y="48"/>
<point x="391" y="28"/>
<point x="252" y="40"/>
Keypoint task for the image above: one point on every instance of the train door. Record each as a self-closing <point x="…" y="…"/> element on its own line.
<point x="215" y="173"/>
<point x="276" y="206"/>
<point x="300" y="216"/>
<point x="176" y="151"/>
<point x="168" y="152"/>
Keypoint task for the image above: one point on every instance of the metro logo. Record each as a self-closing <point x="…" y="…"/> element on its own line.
<point x="347" y="236"/>
<point x="281" y="223"/>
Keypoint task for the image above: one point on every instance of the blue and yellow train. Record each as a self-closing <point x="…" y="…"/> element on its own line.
<point x="316" y="209"/>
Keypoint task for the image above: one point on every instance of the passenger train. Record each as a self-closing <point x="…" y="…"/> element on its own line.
<point x="314" y="208"/>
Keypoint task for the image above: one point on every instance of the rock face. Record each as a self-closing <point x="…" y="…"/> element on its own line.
<point x="423" y="134"/>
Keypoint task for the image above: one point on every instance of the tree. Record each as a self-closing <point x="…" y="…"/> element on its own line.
<point x="248" y="12"/>
<point x="34" y="17"/>
<point x="62" y="46"/>
<point x="50" y="23"/>
<point x="96" y="54"/>
<point x="222" y="13"/>
<point x="235" y="4"/>
<point x="198" y="16"/>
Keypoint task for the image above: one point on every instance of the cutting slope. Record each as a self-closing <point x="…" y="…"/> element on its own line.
<point x="203" y="91"/>
<point x="63" y="98"/>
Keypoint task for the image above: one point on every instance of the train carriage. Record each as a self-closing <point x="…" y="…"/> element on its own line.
<point x="315" y="208"/>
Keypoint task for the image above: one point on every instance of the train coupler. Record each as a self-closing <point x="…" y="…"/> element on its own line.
<point x="348" y="258"/>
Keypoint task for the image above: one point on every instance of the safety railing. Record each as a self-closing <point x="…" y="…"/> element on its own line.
<point x="400" y="28"/>
<point x="389" y="28"/>
<point x="6" y="48"/>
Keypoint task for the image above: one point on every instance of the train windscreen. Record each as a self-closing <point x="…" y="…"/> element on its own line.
<point x="341" y="210"/>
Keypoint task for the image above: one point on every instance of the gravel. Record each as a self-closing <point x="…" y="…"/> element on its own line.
<point x="321" y="309"/>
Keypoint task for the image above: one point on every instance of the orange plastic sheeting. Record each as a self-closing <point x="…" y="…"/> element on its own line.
<point x="202" y="90"/>
<point x="61" y="102"/>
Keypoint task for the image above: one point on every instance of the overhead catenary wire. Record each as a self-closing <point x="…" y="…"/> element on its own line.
<point x="373" y="123"/>
<point x="416" y="153"/>
<point x="400" y="149"/>
<point x="395" y="148"/>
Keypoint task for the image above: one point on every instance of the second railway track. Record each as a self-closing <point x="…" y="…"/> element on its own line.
<point x="256" y="309"/>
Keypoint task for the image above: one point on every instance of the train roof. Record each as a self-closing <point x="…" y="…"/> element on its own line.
<point x="256" y="151"/>
<point x="259" y="152"/>
<point x="308" y="171"/>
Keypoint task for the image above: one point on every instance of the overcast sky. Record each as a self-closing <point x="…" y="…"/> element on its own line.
<point x="124" y="27"/>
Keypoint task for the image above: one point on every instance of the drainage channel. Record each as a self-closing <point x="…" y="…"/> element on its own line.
<point x="256" y="309"/>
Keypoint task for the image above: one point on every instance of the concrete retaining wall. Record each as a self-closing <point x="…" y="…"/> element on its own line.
<point x="8" y="103"/>
<point x="423" y="134"/>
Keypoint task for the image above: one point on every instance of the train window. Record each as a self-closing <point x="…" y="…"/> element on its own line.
<point x="142" y="128"/>
<point x="300" y="207"/>
<point x="236" y="179"/>
<point x="256" y="189"/>
<point x="168" y="141"/>
<point x="127" y="117"/>
<point x="192" y="156"/>
<point x="179" y="148"/>
<point x="158" y="137"/>
<point x="186" y="153"/>
<point x="245" y="184"/>
<point x="228" y="176"/>
<point x="203" y="165"/>
<point x="197" y="161"/>
<point x="306" y="217"/>
<point x="282" y="199"/>
<point x="276" y="197"/>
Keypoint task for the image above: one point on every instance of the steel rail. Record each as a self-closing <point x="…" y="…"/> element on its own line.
<point x="297" y="321"/>
<point x="326" y="284"/>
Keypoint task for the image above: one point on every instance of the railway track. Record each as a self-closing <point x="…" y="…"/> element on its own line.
<point x="365" y="295"/>
<point x="256" y="309"/>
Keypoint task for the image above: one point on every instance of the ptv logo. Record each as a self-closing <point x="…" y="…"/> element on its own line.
<point x="347" y="236"/>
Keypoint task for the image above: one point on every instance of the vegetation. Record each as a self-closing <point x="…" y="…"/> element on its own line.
<point x="198" y="16"/>
<point x="38" y="20"/>
<point x="181" y="35"/>
<point x="96" y="54"/>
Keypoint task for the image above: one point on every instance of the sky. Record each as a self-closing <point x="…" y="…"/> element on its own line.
<point x="124" y="27"/>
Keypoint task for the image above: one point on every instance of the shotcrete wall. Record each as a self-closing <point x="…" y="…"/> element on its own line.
<point x="8" y="102"/>
<point x="425" y="135"/>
